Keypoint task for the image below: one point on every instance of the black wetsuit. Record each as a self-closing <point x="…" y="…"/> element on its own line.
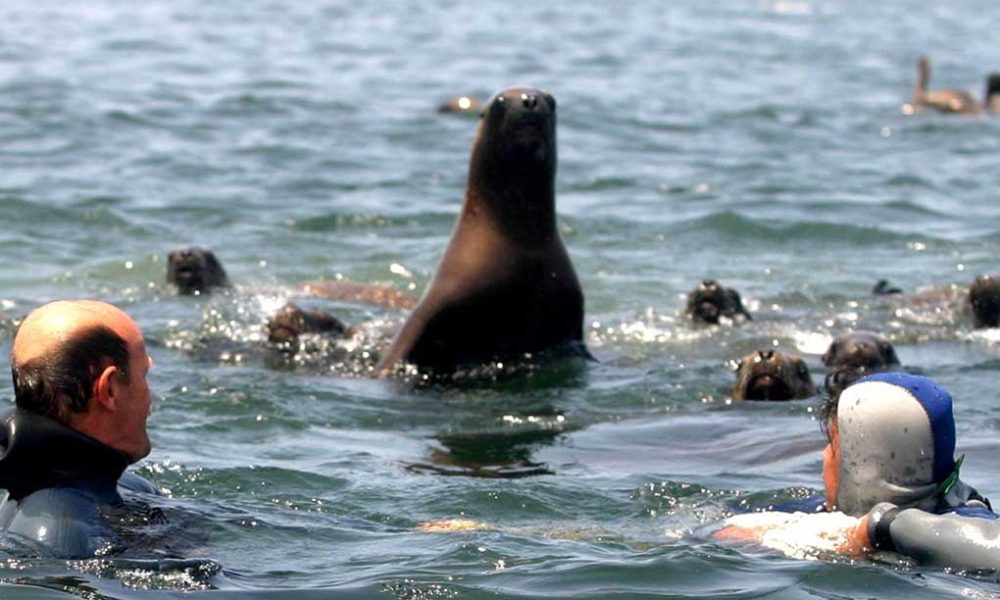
<point x="62" y="486"/>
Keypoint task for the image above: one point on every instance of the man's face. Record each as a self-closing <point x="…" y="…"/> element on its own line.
<point x="831" y="465"/>
<point x="135" y="404"/>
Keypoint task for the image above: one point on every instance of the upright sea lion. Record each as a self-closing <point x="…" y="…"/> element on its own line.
<point x="947" y="101"/>
<point x="984" y="299"/>
<point x="505" y="288"/>
<point x="710" y="301"/>
<point x="195" y="271"/>
<point x="772" y="375"/>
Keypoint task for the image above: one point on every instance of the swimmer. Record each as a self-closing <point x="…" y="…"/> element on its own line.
<point x="82" y="400"/>
<point x="950" y="101"/>
<point x="891" y="484"/>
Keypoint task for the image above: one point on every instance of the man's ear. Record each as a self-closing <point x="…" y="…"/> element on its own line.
<point x="106" y="388"/>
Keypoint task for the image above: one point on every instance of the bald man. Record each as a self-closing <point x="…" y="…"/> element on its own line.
<point x="79" y="370"/>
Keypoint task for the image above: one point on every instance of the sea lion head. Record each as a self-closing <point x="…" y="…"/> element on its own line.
<point x="293" y="321"/>
<point x="772" y="375"/>
<point x="195" y="271"/>
<point x="856" y="354"/>
<point x="710" y="301"/>
<point x="863" y="350"/>
<point x="984" y="298"/>
<point x="513" y="165"/>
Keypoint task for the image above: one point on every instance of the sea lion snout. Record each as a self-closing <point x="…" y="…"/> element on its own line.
<point x="768" y="374"/>
<point x="524" y="101"/>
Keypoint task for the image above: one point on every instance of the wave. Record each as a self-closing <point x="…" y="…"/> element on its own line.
<point x="736" y="226"/>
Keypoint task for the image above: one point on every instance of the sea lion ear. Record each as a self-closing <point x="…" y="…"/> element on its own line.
<point x="551" y="100"/>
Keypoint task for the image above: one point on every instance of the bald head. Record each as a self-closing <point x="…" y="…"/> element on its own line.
<point x="75" y="362"/>
<point x="58" y="323"/>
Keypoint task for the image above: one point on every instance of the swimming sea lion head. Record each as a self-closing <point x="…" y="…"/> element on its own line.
<point x="984" y="298"/>
<point x="856" y="354"/>
<point x="195" y="271"/>
<point x="293" y="321"/>
<point x="772" y="375"/>
<point x="710" y="301"/>
<point x="862" y="350"/>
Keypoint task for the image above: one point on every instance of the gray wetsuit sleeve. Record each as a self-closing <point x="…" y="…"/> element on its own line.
<point x="948" y="540"/>
<point x="63" y="523"/>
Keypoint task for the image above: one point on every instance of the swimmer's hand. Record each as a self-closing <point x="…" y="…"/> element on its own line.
<point x="452" y="525"/>
<point x="857" y="542"/>
<point x="800" y="535"/>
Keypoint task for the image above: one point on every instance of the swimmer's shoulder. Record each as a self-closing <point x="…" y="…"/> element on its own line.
<point x="59" y="522"/>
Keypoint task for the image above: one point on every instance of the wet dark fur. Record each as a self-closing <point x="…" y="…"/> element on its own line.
<point x="293" y="321"/>
<point x="772" y="375"/>
<point x="710" y="301"/>
<point x="984" y="299"/>
<point x="854" y="355"/>
<point x="862" y="350"/>
<point x="505" y="288"/>
<point x="195" y="271"/>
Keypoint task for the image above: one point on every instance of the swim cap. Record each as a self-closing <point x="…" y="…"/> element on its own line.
<point x="897" y="442"/>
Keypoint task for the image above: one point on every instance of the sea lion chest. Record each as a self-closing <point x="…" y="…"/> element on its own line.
<point x="527" y="302"/>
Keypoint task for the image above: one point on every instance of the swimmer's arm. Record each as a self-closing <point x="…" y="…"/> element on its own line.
<point x="453" y="525"/>
<point x="948" y="540"/>
<point x="739" y="533"/>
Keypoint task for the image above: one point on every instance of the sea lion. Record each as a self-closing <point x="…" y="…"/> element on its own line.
<point x="856" y="354"/>
<point x="505" y="288"/>
<point x="861" y="350"/>
<point x="195" y="271"/>
<point x="884" y="288"/>
<point x="461" y="105"/>
<point x="950" y="101"/>
<point x="198" y="271"/>
<point x="772" y="375"/>
<point x="291" y="321"/>
<point x="984" y="299"/>
<point x="710" y="301"/>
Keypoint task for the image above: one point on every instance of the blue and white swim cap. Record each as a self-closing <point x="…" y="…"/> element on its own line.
<point x="897" y="442"/>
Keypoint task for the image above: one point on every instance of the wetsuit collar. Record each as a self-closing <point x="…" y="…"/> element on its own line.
<point x="36" y="452"/>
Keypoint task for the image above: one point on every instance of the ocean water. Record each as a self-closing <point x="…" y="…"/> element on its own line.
<point x="758" y="143"/>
